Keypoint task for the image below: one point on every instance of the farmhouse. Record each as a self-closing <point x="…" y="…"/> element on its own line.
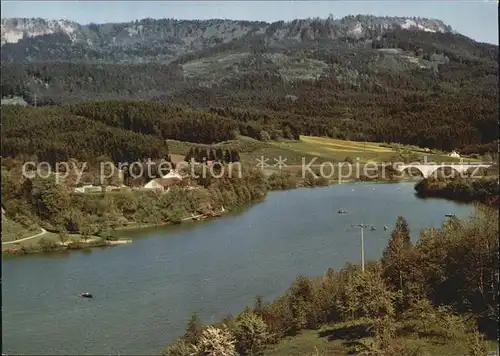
<point x="164" y="183"/>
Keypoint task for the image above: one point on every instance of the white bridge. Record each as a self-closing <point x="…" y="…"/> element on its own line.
<point x="429" y="169"/>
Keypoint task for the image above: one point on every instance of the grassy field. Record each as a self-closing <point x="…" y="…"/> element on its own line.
<point x="292" y="152"/>
<point x="348" y="339"/>
<point x="363" y="152"/>
<point x="13" y="231"/>
<point x="34" y="242"/>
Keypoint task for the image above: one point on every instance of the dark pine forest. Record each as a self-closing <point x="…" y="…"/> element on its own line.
<point x="91" y="109"/>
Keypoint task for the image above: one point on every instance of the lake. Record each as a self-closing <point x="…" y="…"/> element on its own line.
<point x="145" y="292"/>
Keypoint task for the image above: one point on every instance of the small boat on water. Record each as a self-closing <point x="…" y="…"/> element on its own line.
<point x="386" y="227"/>
<point x="86" y="295"/>
<point x="450" y="215"/>
<point x="341" y="211"/>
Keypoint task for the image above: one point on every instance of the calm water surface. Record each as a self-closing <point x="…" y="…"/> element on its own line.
<point x="145" y="292"/>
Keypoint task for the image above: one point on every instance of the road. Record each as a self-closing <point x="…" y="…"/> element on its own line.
<point x="26" y="238"/>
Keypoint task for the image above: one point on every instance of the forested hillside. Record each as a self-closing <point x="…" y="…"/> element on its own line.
<point x="395" y="83"/>
<point x="438" y="296"/>
<point x="123" y="131"/>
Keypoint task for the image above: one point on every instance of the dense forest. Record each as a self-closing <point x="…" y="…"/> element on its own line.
<point x="53" y="205"/>
<point x="131" y="130"/>
<point x="119" y="131"/>
<point x="436" y="90"/>
<point x="485" y="190"/>
<point x="443" y="287"/>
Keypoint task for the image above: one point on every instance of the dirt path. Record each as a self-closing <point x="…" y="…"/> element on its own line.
<point x="26" y="238"/>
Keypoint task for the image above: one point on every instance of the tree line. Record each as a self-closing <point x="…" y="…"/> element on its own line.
<point x="484" y="190"/>
<point x="122" y="131"/>
<point x="203" y="154"/>
<point x="443" y="286"/>
<point x="68" y="130"/>
<point x="53" y="205"/>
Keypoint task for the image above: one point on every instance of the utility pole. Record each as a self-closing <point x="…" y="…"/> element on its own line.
<point x="362" y="227"/>
<point x="362" y="250"/>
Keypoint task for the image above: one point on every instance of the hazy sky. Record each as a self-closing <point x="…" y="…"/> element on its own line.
<point x="475" y="19"/>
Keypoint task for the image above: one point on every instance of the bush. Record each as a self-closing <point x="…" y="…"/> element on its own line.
<point x="367" y="295"/>
<point x="47" y="245"/>
<point x="453" y="325"/>
<point x="215" y="342"/>
<point x="384" y="331"/>
<point x="106" y="234"/>
<point x="251" y="334"/>
<point x="175" y="216"/>
<point x="179" y="348"/>
<point x="476" y="344"/>
<point x="279" y="318"/>
<point x="302" y="300"/>
<point x="264" y="136"/>
<point x="282" y="180"/>
<point x="194" y="329"/>
<point x="487" y="158"/>
<point x="322" y="182"/>
<point x="276" y="135"/>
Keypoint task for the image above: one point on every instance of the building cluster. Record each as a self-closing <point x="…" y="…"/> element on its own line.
<point x="161" y="184"/>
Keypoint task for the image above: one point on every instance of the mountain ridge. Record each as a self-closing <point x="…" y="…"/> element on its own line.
<point x="167" y="39"/>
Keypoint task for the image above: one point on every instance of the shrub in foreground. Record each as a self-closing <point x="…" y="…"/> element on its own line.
<point x="215" y="342"/>
<point x="251" y="334"/>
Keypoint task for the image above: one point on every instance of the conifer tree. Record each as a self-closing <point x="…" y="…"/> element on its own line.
<point x="395" y="255"/>
<point x="189" y="155"/>
<point x="219" y="155"/>
<point x="235" y="156"/>
<point x="204" y="154"/>
<point x="211" y="155"/>
<point x="227" y="156"/>
<point x="194" y="329"/>
<point x="197" y="155"/>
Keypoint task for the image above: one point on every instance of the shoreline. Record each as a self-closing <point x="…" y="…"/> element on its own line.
<point x="96" y="242"/>
<point x="68" y="246"/>
<point x="192" y="218"/>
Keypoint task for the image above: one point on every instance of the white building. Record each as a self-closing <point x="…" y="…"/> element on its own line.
<point x="454" y="154"/>
<point x="164" y="183"/>
<point x="154" y="185"/>
<point x="173" y="174"/>
<point x="88" y="189"/>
